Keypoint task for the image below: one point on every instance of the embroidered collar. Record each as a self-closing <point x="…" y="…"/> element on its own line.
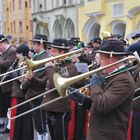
<point x="38" y="55"/>
<point x="119" y="69"/>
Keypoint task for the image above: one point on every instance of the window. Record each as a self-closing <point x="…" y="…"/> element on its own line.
<point x="117" y="10"/>
<point x="20" y="27"/>
<point x="27" y="27"/>
<point x="13" y="5"/>
<point x="40" y="6"/>
<point x="65" y="2"/>
<point x="26" y="4"/>
<point x="20" y="4"/>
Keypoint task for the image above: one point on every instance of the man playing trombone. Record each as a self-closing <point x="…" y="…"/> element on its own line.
<point x="111" y="97"/>
<point x="33" y="89"/>
<point x="21" y="126"/>
<point x="8" y="56"/>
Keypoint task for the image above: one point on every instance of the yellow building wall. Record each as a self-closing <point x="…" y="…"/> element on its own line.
<point x="106" y="20"/>
<point x="82" y="18"/>
<point x="16" y="15"/>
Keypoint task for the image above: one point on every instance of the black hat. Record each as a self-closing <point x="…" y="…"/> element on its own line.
<point x="24" y="49"/>
<point x="75" y="40"/>
<point x="2" y="38"/>
<point x="40" y="38"/>
<point x="96" y="40"/>
<point x="135" y="36"/>
<point x="60" y="43"/>
<point x="115" y="47"/>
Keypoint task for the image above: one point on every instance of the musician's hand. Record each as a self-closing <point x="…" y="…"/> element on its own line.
<point x="85" y="91"/>
<point x="97" y="80"/>
<point x="29" y="76"/>
<point x="77" y="96"/>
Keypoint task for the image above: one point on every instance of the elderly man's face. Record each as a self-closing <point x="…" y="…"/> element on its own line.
<point x="106" y="60"/>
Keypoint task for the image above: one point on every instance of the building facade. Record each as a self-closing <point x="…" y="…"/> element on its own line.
<point x="1" y="16"/>
<point x="18" y="18"/>
<point x="116" y="16"/>
<point x="56" y="18"/>
<point x="85" y="18"/>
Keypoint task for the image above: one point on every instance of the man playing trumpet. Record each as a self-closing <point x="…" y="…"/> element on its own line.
<point x="111" y="97"/>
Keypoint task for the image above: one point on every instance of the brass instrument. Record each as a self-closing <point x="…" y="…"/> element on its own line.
<point x="9" y="70"/>
<point x="62" y="84"/>
<point x="31" y="65"/>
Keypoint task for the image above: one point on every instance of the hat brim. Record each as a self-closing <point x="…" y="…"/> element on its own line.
<point x="113" y="53"/>
<point x="60" y="47"/>
<point x="3" y="39"/>
<point x="38" y="40"/>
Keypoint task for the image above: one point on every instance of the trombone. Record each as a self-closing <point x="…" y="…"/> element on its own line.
<point x="61" y="84"/>
<point x="34" y="64"/>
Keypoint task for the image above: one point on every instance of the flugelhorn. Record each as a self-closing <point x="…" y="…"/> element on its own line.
<point x="62" y="84"/>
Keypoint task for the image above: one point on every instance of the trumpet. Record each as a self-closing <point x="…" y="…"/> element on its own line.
<point x="61" y="84"/>
<point x="31" y="65"/>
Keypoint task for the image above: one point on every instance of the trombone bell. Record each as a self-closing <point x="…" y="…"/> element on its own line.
<point x="60" y="84"/>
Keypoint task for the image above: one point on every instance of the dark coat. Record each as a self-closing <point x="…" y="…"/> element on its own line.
<point x="16" y="90"/>
<point x="6" y="60"/>
<point x="63" y="104"/>
<point x="31" y="86"/>
<point x="110" y="110"/>
<point x="136" y="76"/>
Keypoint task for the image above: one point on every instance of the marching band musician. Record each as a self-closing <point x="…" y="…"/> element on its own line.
<point x="33" y="89"/>
<point x="89" y="56"/>
<point x="20" y="127"/>
<point x="133" y="132"/>
<point x="111" y="98"/>
<point x="7" y="58"/>
<point x="59" y="112"/>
